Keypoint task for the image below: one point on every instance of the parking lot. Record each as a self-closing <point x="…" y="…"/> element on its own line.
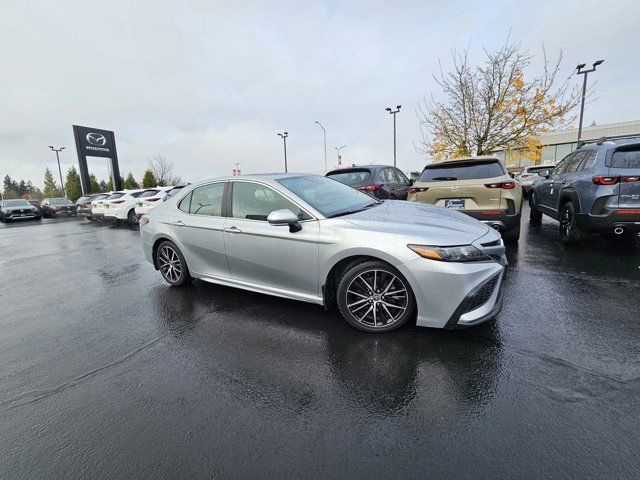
<point x="109" y="373"/>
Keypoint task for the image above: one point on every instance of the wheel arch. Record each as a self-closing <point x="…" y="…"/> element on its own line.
<point x="154" y="249"/>
<point x="569" y="195"/>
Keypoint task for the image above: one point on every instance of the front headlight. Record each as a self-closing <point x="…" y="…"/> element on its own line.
<point x="464" y="253"/>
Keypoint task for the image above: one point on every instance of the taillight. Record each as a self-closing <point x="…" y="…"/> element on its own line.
<point x="503" y="185"/>
<point x="414" y="190"/>
<point x="143" y="220"/>
<point x="369" y="188"/>
<point x="631" y="179"/>
<point x="152" y="199"/>
<point x="117" y="201"/>
<point x="602" y="180"/>
<point x="491" y="212"/>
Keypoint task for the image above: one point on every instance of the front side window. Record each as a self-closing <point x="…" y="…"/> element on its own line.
<point x="560" y="168"/>
<point x="254" y="201"/>
<point x="573" y="164"/>
<point x="205" y="200"/>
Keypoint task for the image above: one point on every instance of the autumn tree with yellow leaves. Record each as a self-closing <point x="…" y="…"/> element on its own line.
<point x="494" y="106"/>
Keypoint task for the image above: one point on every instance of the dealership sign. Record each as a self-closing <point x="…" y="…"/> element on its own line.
<point x="95" y="142"/>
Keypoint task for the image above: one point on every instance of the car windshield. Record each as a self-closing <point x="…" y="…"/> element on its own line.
<point x="148" y="193"/>
<point x="624" y="158"/>
<point x="461" y="171"/>
<point x="113" y="196"/>
<point x="59" y="201"/>
<point x="329" y="197"/>
<point x="16" y="203"/>
<point x="352" y="177"/>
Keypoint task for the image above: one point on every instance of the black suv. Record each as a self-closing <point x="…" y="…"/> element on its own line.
<point x="380" y="181"/>
<point x="596" y="188"/>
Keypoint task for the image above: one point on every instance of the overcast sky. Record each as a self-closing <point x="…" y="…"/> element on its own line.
<point x="210" y="83"/>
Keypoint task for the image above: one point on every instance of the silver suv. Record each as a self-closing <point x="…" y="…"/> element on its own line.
<point x="596" y="188"/>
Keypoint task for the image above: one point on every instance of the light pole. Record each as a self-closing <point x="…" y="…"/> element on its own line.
<point x="338" y="150"/>
<point x="584" y="90"/>
<point x="324" y="133"/>
<point x="58" y="150"/>
<point x="284" y="139"/>
<point x="393" y="112"/>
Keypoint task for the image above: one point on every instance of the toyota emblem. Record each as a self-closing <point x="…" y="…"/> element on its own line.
<point x="96" y="139"/>
<point x="454" y="189"/>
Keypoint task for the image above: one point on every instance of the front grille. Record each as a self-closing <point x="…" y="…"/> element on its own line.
<point x="482" y="296"/>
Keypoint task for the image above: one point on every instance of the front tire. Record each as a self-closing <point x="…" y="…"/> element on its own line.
<point x="374" y="297"/>
<point x="535" y="215"/>
<point x="570" y="232"/>
<point x="172" y="265"/>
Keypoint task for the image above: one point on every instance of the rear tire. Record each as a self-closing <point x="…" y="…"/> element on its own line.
<point x="131" y="217"/>
<point x="374" y="297"/>
<point x="535" y="215"/>
<point x="512" y="235"/>
<point x="570" y="232"/>
<point x="172" y="264"/>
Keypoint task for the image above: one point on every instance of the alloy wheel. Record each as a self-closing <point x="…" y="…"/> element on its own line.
<point x="377" y="298"/>
<point x="170" y="264"/>
<point x="566" y="222"/>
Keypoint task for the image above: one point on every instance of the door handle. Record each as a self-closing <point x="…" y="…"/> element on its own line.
<point x="232" y="230"/>
<point x="178" y="223"/>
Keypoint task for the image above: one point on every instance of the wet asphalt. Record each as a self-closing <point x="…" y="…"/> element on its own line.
<point x="106" y="372"/>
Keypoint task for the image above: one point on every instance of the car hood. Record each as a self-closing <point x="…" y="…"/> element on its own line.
<point x="438" y="226"/>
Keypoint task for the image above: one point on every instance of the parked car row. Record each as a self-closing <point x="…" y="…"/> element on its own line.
<point x="20" y="209"/>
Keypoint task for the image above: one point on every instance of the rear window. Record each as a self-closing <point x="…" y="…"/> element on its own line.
<point x="100" y="197"/>
<point x="625" y="159"/>
<point x="114" y="196"/>
<point x="461" y="171"/>
<point x="352" y="178"/>
<point x="148" y="193"/>
<point x="173" y="191"/>
<point x="83" y="199"/>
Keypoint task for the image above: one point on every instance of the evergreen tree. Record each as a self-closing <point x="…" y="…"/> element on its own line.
<point x="103" y="186"/>
<point x="72" y="184"/>
<point x="149" y="179"/>
<point x="94" y="186"/>
<point x="21" y="188"/>
<point x="50" y="187"/>
<point x="130" y="182"/>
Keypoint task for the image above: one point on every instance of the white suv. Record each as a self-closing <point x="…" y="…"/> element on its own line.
<point x="121" y="206"/>
<point x="149" y="199"/>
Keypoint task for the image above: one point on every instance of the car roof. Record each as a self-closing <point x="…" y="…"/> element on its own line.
<point x="360" y="167"/>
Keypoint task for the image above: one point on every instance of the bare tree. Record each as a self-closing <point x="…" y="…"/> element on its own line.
<point x="492" y="106"/>
<point x="163" y="171"/>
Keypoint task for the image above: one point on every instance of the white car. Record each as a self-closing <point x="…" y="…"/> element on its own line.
<point x="121" y="206"/>
<point x="529" y="176"/>
<point x="97" y="206"/>
<point x="149" y="199"/>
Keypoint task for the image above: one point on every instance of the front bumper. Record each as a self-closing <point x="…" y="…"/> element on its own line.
<point x="609" y="220"/>
<point x="20" y="216"/>
<point x="454" y="295"/>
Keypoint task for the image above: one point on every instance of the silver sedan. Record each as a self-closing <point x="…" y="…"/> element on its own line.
<point x="313" y="239"/>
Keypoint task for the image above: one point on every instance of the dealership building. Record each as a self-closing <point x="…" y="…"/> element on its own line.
<point x="558" y="144"/>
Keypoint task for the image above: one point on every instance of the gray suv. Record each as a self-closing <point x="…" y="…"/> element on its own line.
<point x="596" y="188"/>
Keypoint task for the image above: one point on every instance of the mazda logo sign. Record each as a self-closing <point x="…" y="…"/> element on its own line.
<point x="96" y="139"/>
<point x="454" y="189"/>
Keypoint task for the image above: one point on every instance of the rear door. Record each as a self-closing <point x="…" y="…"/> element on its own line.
<point x="199" y="229"/>
<point x="465" y="185"/>
<point x="624" y="162"/>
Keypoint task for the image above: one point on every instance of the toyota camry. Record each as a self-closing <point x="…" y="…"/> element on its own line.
<point x="313" y="239"/>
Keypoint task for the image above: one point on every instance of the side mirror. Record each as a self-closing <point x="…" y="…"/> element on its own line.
<point x="285" y="217"/>
<point x="545" y="173"/>
<point x="164" y="199"/>
<point x="411" y="182"/>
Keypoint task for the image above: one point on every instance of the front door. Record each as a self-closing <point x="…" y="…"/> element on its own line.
<point x="270" y="255"/>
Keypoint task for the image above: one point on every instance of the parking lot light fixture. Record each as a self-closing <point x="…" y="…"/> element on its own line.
<point x="324" y="134"/>
<point x="580" y="71"/>
<point x="284" y="136"/>
<point x="394" y="112"/>
<point x="58" y="150"/>
<point x="338" y="150"/>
